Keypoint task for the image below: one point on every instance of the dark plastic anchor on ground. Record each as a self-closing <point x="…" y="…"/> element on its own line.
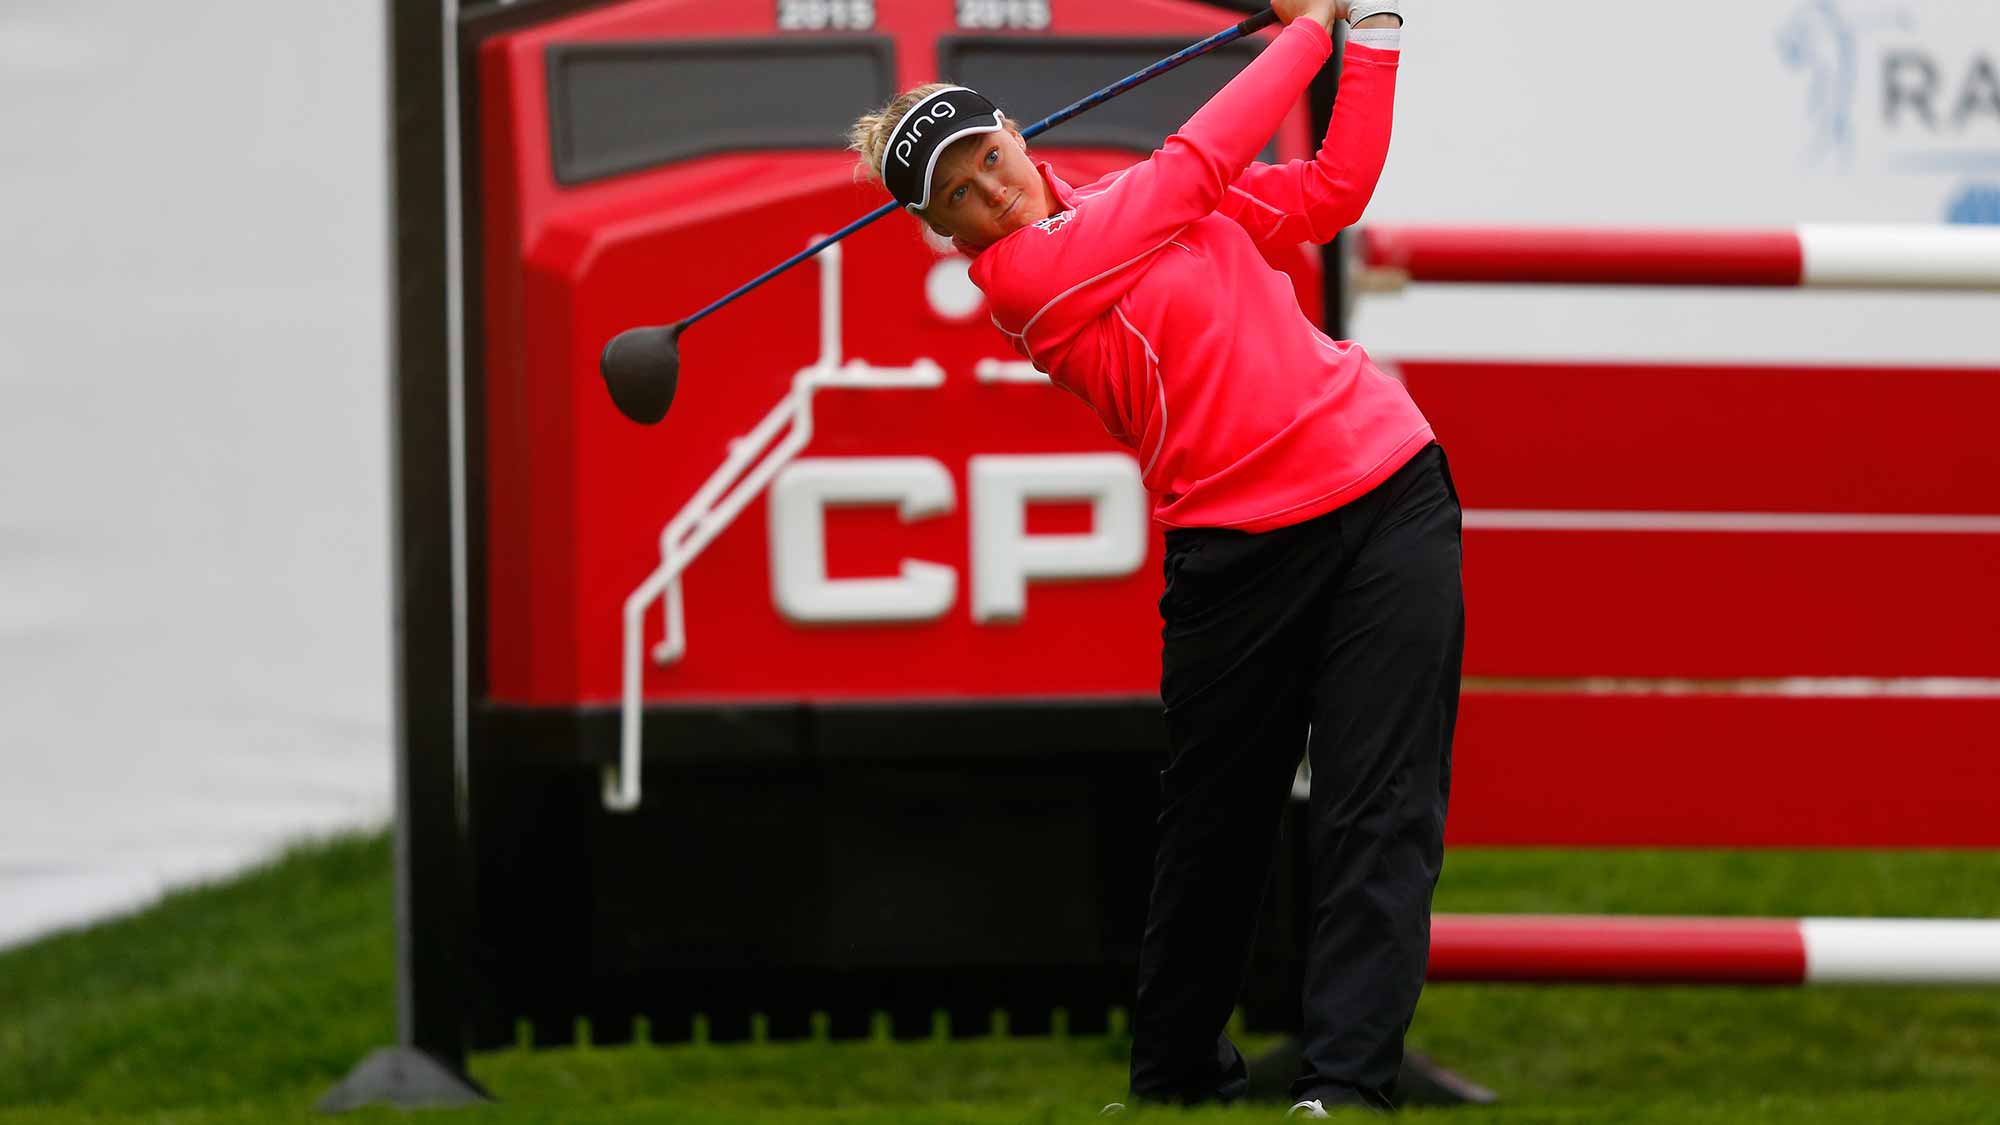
<point x="404" y="1077"/>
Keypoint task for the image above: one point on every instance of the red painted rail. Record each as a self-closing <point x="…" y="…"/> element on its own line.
<point x="1586" y="949"/>
<point x="1870" y="257"/>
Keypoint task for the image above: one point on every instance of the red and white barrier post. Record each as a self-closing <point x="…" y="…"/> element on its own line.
<point x="1584" y="949"/>
<point x="1808" y="256"/>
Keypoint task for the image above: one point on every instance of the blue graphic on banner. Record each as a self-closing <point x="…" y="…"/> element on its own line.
<point x="1820" y="41"/>
<point x="1936" y="100"/>
<point x="1977" y="203"/>
<point x="1878" y="94"/>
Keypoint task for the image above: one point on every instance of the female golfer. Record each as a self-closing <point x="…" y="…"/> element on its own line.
<point x="1312" y="530"/>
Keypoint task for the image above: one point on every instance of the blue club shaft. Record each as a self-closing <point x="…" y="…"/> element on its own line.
<point x="1258" y="22"/>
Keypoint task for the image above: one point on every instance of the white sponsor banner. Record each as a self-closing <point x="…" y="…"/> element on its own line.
<point x="1768" y="114"/>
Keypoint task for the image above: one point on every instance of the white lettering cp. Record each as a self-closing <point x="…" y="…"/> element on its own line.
<point x="1005" y="558"/>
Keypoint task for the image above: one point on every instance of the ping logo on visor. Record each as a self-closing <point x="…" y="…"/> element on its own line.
<point x="925" y="132"/>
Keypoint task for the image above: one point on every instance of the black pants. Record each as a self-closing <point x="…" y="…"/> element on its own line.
<point x="1348" y="626"/>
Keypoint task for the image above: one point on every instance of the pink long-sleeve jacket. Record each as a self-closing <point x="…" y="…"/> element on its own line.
<point x="1145" y="295"/>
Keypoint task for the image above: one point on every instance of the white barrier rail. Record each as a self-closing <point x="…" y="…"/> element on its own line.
<point x="1813" y="255"/>
<point x="1587" y="949"/>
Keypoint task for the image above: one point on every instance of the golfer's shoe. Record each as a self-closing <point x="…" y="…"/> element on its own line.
<point x="1308" y="1110"/>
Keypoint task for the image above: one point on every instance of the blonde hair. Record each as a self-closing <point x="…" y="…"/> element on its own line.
<point x="869" y="135"/>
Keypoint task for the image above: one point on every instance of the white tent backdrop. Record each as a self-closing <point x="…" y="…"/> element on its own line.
<point x="1768" y="114"/>
<point x="194" y="535"/>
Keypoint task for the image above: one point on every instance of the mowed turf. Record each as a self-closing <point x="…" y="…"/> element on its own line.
<point x="243" y="1002"/>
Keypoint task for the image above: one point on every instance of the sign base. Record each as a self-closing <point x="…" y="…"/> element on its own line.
<point x="404" y="1077"/>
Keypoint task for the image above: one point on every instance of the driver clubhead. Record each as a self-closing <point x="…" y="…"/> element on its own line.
<point x="642" y="369"/>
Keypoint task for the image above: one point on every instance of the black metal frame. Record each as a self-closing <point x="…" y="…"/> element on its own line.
<point x="430" y="833"/>
<point x="962" y="808"/>
<point x="427" y="1064"/>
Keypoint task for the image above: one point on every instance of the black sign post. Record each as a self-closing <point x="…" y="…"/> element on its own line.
<point x="426" y="1067"/>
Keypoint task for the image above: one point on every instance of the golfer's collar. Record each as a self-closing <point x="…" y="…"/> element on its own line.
<point x="1060" y="190"/>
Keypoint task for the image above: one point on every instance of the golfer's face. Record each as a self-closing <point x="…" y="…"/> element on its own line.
<point x="986" y="188"/>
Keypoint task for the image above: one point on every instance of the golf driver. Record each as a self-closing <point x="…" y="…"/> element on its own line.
<point x="642" y="366"/>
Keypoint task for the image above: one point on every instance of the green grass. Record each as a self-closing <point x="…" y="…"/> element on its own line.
<point x="243" y="1002"/>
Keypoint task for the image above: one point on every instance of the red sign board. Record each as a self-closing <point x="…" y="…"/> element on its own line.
<point x="980" y="537"/>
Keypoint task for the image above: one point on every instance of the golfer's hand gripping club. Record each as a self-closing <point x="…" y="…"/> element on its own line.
<point x="642" y="366"/>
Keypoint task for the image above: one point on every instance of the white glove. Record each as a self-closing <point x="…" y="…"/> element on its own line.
<point x="1361" y="9"/>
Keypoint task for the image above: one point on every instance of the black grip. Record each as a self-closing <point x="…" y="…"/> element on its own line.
<point x="1258" y="22"/>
